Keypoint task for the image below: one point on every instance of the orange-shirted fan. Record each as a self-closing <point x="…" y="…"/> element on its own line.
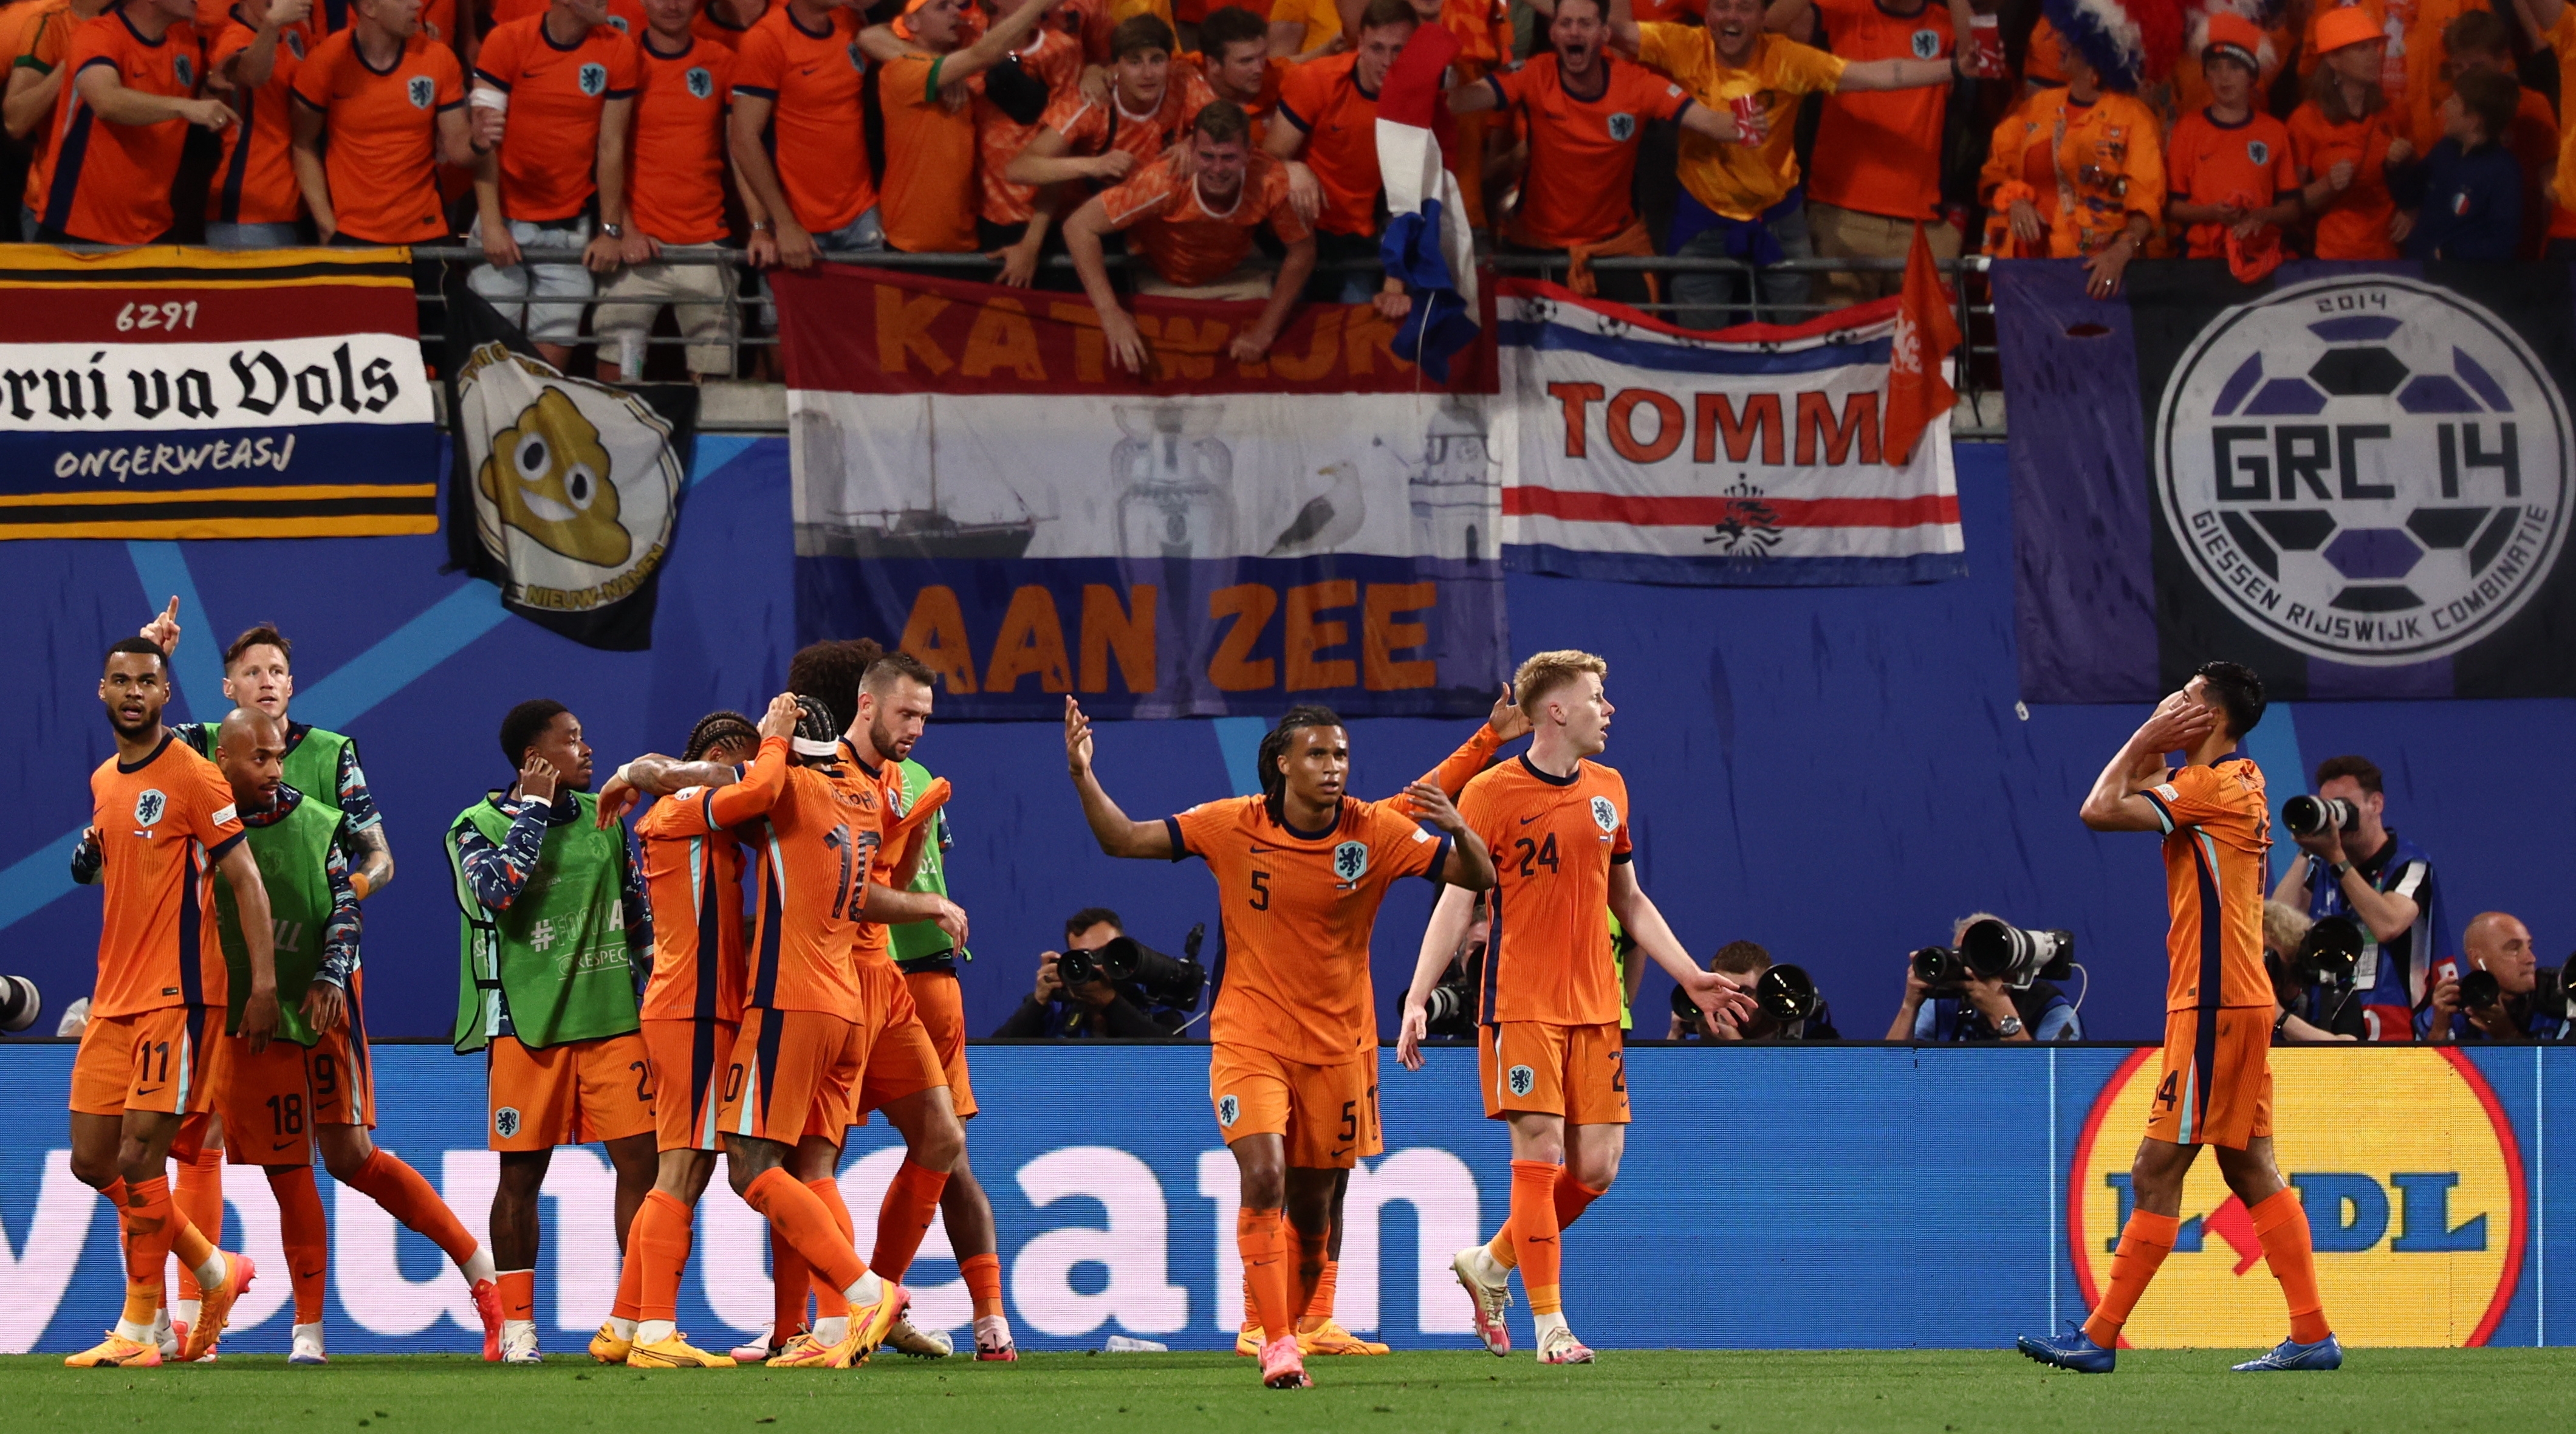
<point x="381" y="147"/>
<point x="813" y="81"/>
<point x="1188" y="244"/>
<point x="676" y="186"/>
<point x="111" y="182"/>
<point x="254" y="180"/>
<point x="550" y="147"/>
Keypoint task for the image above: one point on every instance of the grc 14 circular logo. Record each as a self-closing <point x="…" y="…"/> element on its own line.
<point x="2408" y="1169"/>
<point x="2367" y="469"/>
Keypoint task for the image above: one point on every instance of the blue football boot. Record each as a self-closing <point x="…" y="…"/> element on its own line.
<point x="2290" y="1354"/>
<point x="2071" y="1350"/>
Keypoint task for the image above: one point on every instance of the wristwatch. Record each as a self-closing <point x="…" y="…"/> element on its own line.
<point x="2008" y="1027"/>
<point x="2339" y="868"/>
<point x="613" y="231"/>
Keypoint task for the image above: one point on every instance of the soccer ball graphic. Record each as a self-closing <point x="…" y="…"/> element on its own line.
<point x="2368" y="469"/>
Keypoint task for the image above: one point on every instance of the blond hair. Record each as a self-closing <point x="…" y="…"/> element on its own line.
<point x="2285" y="927"/>
<point x="1548" y="671"/>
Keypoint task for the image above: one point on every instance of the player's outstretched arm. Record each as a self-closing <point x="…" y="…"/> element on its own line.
<point x="1440" y="940"/>
<point x="1469" y="865"/>
<point x="660" y="776"/>
<point x="2115" y="803"/>
<point x="258" y="929"/>
<point x="1109" y="826"/>
<point x="1712" y="991"/>
<point x="1504" y="723"/>
<point x="889" y="907"/>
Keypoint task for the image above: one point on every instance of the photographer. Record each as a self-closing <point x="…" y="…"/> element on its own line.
<point x="1450" y="1013"/>
<point x="2504" y="996"/>
<point x="2359" y="867"/>
<point x="1746" y="961"/>
<point x="1093" y="1008"/>
<point x="1980" y="1010"/>
<point x="2302" y="1011"/>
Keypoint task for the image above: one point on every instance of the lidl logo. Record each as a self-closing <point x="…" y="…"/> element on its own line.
<point x="2409" y="1172"/>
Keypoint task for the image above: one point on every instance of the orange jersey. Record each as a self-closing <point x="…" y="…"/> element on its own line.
<point x="813" y="80"/>
<point x="2246" y="164"/>
<point x="929" y="196"/>
<point x="1879" y="152"/>
<point x="1054" y="58"/>
<point x="1189" y="243"/>
<point x="876" y="794"/>
<point x="2106" y="161"/>
<point x="1090" y="129"/>
<point x="1323" y="99"/>
<point x="110" y="183"/>
<point x="44" y="38"/>
<point x="691" y="857"/>
<point x="813" y="849"/>
<point x="2354" y="224"/>
<point x="1582" y="152"/>
<point x="675" y="188"/>
<point x="1553" y="840"/>
<point x="162" y="825"/>
<point x="254" y="182"/>
<point x="1299" y="907"/>
<point x="550" y="147"/>
<point x="2217" y="830"/>
<point x="380" y="133"/>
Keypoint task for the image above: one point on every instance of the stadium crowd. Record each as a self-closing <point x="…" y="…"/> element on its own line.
<point x="587" y="145"/>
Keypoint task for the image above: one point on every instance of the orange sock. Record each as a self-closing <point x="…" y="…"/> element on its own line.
<point x="658" y="1246"/>
<point x="828" y="1301"/>
<point x="983" y="1283"/>
<point x="197" y="1190"/>
<point x="2143" y="1247"/>
<point x="145" y="1218"/>
<point x="408" y="1196"/>
<point x="518" y="1294"/>
<point x="1534" y="1233"/>
<point x="630" y="1277"/>
<point x="791" y="1288"/>
<point x="1251" y="1306"/>
<point x="306" y="1233"/>
<point x="798" y="1213"/>
<point x="1261" y="1235"/>
<point x="1308" y="1275"/>
<point x="2281" y="1223"/>
<point x="1573" y="1197"/>
<point x="911" y="1203"/>
<point x="1319" y="1306"/>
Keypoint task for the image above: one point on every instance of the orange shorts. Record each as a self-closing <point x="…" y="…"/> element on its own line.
<point x="942" y="1006"/>
<point x="271" y="1101"/>
<point x="901" y="1058"/>
<point x="687" y="1057"/>
<point x="571" y="1094"/>
<point x="792" y="1074"/>
<point x="2217" y="1083"/>
<point x="1327" y="1114"/>
<point x="1578" y="1072"/>
<point x="162" y="1060"/>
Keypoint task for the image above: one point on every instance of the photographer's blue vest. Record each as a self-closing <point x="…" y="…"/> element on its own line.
<point x="2390" y="973"/>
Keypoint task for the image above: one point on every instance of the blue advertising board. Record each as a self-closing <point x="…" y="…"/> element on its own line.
<point x="1771" y="1197"/>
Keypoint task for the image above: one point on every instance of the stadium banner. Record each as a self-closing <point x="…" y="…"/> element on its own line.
<point x="2355" y="477"/>
<point x="1853" y="1223"/>
<point x="161" y="393"/>
<point x="1634" y="451"/>
<point x="1046" y="524"/>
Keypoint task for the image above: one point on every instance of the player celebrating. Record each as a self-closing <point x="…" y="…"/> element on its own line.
<point x="1549" y="1053"/>
<point x="2217" y="1084"/>
<point x="555" y="927"/>
<point x="315" y="1082"/>
<point x="1293" y="1074"/>
<point x="160" y="817"/>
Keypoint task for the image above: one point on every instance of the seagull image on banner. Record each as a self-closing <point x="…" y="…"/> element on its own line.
<point x="1427" y="244"/>
<point x="1327" y="520"/>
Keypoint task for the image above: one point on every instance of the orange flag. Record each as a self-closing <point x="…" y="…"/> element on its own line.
<point x="1918" y="364"/>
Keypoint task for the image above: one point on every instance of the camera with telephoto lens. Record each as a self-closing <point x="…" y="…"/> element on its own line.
<point x="1997" y="952"/>
<point x="1785" y="993"/>
<point x="20" y="1003"/>
<point x="2309" y="816"/>
<point x="1940" y="968"/>
<point x="2330" y="952"/>
<point x="2478" y="990"/>
<point x="1126" y="961"/>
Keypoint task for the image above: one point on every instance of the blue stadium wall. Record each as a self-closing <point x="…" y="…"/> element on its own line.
<point x="1836" y="773"/>
<point x="1771" y="1198"/>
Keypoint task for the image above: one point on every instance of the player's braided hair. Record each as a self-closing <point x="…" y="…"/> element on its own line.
<point x="1274" y="782"/>
<point x="818" y="732"/>
<point x="714" y="730"/>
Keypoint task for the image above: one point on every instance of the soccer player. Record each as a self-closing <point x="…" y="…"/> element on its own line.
<point x="314" y="1083"/>
<point x="1549" y="1052"/>
<point x="253" y="201"/>
<point x="799" y="72"/>
<point x="161" y="818"/>
<point x="555" y="931"/>
<point x="360" y="94"/>
<point x="676" y="201"/>
<point x="1301" y="870"/>
<point x="2216" y="1088"/>
<point x="1330" y="109"/>
<point x="929" y="189"/>
<point x="572" y="77"/>
<point x="120" y="122"/>
<point x="1195" y="232"/>
<point x="692" y="859"/>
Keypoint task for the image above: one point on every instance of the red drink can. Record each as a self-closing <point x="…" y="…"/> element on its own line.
<point x="1987" y="35"/>
<point x="1748" y="118"/>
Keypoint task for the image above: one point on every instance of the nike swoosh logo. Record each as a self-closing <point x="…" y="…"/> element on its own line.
<point x="308" y="1274"/>
<point x="280" y="1144"/>
<point x="1525" y="821"/>
<point x="1258" y="850"/>
<point x="146" y="1090"/>
<point x="1338" y="1154"/>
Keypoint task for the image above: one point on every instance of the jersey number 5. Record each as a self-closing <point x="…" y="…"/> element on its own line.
<point x="1260" y="898"/>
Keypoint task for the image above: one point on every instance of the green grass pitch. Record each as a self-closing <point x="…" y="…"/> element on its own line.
<point x="1945" y="1392"/>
